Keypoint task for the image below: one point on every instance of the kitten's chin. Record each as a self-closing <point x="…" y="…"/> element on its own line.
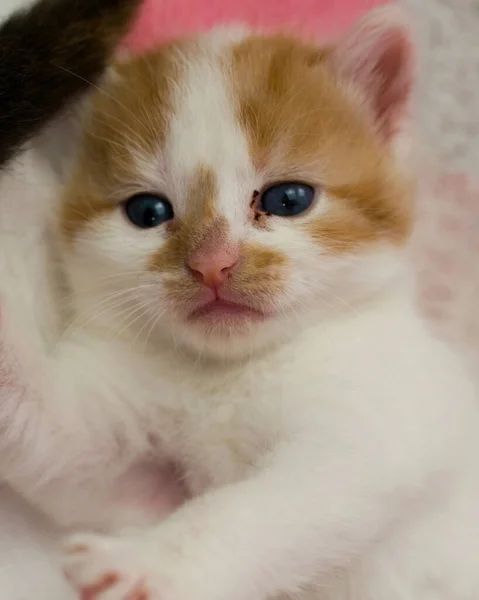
<point x="222" y="327"/>
<point x="227" y="334"/>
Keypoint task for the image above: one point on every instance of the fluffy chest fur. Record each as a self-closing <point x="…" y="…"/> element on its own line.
<point x="221" y="423"/>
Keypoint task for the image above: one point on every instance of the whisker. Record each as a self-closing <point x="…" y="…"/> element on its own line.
<point x="101" y="90"/>
<point x="139" y="311"/>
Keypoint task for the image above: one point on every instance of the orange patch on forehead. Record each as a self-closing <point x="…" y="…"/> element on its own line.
<point x="127" y="120"/>
<point x="299" y="119"/>
<point x="269" y="83"/>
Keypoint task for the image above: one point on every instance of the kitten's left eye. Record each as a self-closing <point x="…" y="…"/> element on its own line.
<point x="287" y="199"/>
<point x="147" y="210"/>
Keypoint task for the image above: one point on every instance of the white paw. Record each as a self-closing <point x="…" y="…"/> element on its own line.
<point x="111" y="568"/>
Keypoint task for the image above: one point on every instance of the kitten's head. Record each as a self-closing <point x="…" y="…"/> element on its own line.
<point x="234" y="187"/>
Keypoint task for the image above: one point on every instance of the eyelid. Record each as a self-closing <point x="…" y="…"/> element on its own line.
<point x="314" y="185"/>
<point x="273" y="182"/>
<point x="123" y="193"/>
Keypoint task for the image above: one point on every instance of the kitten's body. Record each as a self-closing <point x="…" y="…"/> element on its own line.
<point x="328" y="434"/>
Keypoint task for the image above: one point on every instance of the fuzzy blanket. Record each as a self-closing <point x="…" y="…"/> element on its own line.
<point x="446" y="256"/>
<point x="163" y="19"/>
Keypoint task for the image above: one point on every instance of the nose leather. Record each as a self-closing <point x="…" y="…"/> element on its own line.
<point x="213" y="268"/>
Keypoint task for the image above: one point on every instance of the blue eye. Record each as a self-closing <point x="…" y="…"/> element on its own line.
<point x="287" y="199"/>
<point x="147" y="210"/>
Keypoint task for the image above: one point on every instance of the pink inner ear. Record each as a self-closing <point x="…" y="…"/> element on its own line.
<point x="377" y="58"/>
<point x="395" y="78"/>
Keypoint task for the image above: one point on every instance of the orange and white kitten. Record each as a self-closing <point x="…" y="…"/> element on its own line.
<point x="235" y="238"/>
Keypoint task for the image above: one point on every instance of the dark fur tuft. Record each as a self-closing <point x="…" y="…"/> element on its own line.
<point x="48" y="55"/>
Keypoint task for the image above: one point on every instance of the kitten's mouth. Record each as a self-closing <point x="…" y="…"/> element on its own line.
<point x="223" y="312"/>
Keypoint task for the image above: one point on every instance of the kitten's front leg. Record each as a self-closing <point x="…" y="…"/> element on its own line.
<point x="300" y="516"/>
<point x="70" y="440"/>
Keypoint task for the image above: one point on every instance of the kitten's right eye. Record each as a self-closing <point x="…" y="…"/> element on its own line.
<point x="147" y="210"/>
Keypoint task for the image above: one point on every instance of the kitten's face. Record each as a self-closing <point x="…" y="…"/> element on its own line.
<point x="230" y="189"/>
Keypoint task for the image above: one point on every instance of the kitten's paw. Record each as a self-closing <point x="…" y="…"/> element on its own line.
<point x="110" y="568"/>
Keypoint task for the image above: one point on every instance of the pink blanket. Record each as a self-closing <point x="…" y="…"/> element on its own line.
<point x="164" y="19"/>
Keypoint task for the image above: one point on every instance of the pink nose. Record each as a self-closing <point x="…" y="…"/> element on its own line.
<point x="213" y="269"/>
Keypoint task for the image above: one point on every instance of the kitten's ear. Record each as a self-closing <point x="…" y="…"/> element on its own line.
<point x="376" y="58"/>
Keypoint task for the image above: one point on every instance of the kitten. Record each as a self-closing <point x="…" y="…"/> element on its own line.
<point x="51" y="51"/>
<point x="235" y="235"/>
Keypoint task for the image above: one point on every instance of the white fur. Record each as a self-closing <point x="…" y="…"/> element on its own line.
<point x="332" y="448"/>
<point x="28" y="541"/>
